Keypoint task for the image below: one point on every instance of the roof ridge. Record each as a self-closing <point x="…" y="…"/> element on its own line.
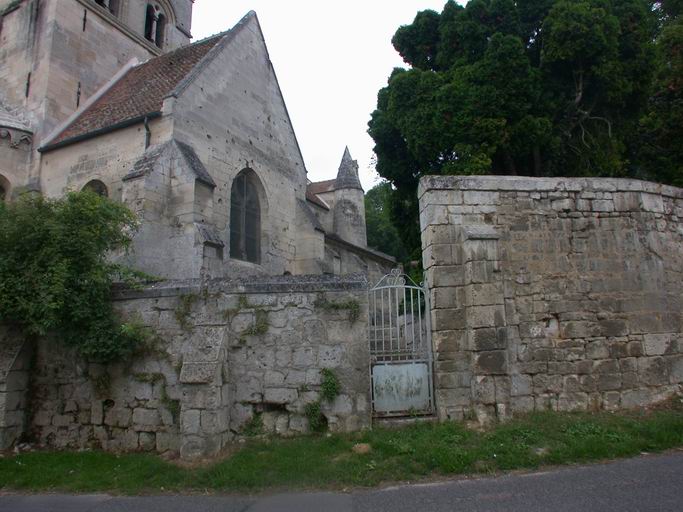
<point x="225" y="38"/>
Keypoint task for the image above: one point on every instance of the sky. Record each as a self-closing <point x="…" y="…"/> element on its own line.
<point x="331" y="59"/>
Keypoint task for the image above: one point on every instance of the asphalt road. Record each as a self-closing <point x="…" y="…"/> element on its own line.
<point x="649" y="483"/>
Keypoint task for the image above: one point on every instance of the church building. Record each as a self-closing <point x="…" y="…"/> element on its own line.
<point x="195" y="138"/>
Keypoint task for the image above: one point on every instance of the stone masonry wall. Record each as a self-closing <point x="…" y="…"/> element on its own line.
<point x="15" y="358"/>
<point x="227" y="357"/>
<point x="560" y="294"/>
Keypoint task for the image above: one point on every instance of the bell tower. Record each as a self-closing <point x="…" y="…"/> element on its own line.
<point x="56" y="54"/>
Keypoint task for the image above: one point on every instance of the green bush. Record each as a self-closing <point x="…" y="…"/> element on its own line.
<point x="55" y="276"/>
<point x="330" y="386"/>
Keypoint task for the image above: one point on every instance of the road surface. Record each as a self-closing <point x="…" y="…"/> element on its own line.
<point x="648" y="483"/>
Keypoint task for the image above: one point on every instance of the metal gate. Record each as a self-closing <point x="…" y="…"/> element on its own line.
<point x="400" y="347"/>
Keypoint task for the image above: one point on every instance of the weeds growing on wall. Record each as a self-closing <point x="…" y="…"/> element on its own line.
<point x="184" y="309"/>
<point x="55" y="275"/>
<point x="352" y="306"/>
<point x="330" y="387"/>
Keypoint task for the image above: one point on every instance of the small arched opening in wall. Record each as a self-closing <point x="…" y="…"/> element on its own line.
<point x="4" y="188"/>
<point x="247" y="206"/>
<point x="111" y="5"/>
<point x="97" y="187"/>
<point x="157" y="17"/>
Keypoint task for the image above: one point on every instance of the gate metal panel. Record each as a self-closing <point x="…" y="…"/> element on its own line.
<point x="400" y="347"/>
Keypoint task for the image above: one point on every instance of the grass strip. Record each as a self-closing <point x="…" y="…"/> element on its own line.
<point x="328" y="462"/>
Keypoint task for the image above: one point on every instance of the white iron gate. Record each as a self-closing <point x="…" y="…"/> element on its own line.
<point x="400" y="347"/>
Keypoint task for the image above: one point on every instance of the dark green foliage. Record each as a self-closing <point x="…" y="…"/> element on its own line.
<point x="661" y="129"/>
<point x="317" y="422"/>
<point x="412" y="453"/>
<point x="54" y="274"/>
<point x="254" y="427"/>
<point x="184" y="310"/>
<point x="530" y="87"/>
<point x="260" y="325"/>
<point x="330" y="386"/>
<point x="382" y="234"/>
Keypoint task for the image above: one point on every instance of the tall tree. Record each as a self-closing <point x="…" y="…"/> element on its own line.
<point x="382" y="234"/>
<point x="529" y="87"/>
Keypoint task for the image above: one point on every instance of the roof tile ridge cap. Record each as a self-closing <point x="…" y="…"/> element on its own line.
<point x="118" y="76"/>
<point x="225" y="38"/>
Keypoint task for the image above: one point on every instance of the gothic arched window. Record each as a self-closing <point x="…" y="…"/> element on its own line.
<point x="245" y="218"/>
<point x="111" y="5"/>
<point x="97" y="187"/>
<point x="150" y="16"/>
<point x="155" y="25"/>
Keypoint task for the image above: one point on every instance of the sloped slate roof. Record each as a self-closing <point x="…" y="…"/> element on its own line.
<point x="139" y="92"/>
<point x="195" y="163"/>
<point x="319" y="187"/>
<point x="347" y="177"/>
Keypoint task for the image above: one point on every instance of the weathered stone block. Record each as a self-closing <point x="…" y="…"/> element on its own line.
<point x="146" y="419"/>
<point x="486" y="316"/>
<point x="190" y="422"/>
<point x="653" y="371"/>
<point x="484" y="390"/>
<point x="489" y="339"/>
<point x="118" y="417"/>
<point x="572" y="402"/>
<point x="199" y="373"/>
<point x="448" y="319"/>
<point x="598" y="349"/>
<point x="446" y="276"/>
<point x="491" y="363"/>
<point x="635" y="398"/>
<point x="280" y="395"/>
<point x="656" y="344"/>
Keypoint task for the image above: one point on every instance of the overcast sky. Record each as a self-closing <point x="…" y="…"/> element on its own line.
<point x="331" y="58"/>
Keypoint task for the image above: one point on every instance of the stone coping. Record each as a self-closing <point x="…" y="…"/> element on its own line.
<point x="265" y="285"/>
<point x="530" y="184"/>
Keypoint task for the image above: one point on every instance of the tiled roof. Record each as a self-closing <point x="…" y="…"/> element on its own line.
<point x="319" y="187"/>
<point x="310" y="196"/>
<point x="139" y="92"/>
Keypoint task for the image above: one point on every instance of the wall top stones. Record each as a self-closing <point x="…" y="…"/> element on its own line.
<point x="529" y="184"/>
<point x="267" y="284"/>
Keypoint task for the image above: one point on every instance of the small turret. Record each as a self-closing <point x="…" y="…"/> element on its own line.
<point x="349" y="203"/>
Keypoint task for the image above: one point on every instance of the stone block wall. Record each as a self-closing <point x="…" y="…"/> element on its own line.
<point x="15" y="359"/>
<point x="560" y="294"/>
<point x="227" y="357"/>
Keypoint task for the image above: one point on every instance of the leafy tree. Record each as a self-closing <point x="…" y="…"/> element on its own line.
<point x="660" y="141"/>
<point x="529" y="87"/>
<point x="382" y="234"/>
<point x="55" y="277"/>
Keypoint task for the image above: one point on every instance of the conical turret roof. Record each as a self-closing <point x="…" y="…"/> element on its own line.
<point x="347" y="177"/>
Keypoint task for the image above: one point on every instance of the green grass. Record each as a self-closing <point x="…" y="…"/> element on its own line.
<point x="323" y="461"/>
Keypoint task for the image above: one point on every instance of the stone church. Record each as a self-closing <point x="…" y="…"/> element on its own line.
<point x="110" y="95"/>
